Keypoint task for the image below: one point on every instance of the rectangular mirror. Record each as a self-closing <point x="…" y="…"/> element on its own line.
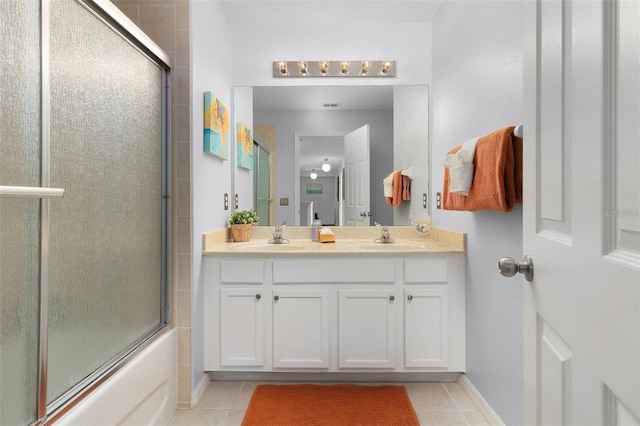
<point x="299" y="128"/>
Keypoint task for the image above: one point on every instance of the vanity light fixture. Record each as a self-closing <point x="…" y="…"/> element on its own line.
<point x="303" y="67"/>
<point x="313" y="174"/>
<point x="282" y="68"/>
<point x="367" y="69"/>
<point x="386" y="67"/>
<point x="324" y="68"/>
<point x="344" y="68"/>
<point x="326" y="166"/>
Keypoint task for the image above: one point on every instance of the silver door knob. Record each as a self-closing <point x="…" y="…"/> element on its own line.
<point x="509" y="267"/>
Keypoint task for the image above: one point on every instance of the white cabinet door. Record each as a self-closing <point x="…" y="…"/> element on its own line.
<point x="366" y="329"/>
<point x="242" y="324"/>
<point x="426" y="332"/>
<point x="301" y="328"/>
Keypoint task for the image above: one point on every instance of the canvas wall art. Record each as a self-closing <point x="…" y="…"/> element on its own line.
<point x="216" y="127"/>
<point x="245" y="147"/>
<point x="314" y="188"/>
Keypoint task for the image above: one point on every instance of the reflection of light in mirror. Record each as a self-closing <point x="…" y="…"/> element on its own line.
<point x="313" y="174"/>
<point x="326" y="166"/>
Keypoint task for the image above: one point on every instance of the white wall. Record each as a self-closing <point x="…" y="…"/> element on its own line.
<point x="210" y="177"/>
<point x="477" y="87"/>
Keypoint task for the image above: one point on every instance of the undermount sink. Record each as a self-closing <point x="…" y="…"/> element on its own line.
<point x="270" y="247"/>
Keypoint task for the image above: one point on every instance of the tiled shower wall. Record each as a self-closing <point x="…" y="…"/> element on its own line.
<point x="167" y="23"/>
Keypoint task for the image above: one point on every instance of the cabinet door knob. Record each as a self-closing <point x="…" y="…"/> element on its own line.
<point x="276" y="298"/>
<point x="258" y="296"/>
<point x="409" y="297"/>
<point x="392" y="298"/>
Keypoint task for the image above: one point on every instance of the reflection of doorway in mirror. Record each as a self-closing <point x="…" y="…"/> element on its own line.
<point x="310" y="153"/>
<point x="268" y="137"/>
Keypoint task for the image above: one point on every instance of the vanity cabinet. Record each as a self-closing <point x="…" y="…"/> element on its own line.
<point x="347" y="314"/>
<point x="242" y="316"/>
<point x="366" y="328"/>
<point x="301" y="328"/>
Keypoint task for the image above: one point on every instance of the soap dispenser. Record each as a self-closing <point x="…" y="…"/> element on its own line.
<point x="315" y="227"/>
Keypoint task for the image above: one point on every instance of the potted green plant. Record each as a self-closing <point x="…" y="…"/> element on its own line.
<point x="241" y="223"/>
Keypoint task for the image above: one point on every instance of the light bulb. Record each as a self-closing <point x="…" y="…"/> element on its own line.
<point x="326" y="166"/>
<point x="313" y="174"/>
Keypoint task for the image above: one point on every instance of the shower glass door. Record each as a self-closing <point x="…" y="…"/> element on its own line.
<point x="105" y="263"/>
<point x="20" y="153"/>
<point x="83" y="278"/>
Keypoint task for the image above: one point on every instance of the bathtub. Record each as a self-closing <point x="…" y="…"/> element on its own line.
<point x="143" y="392"/>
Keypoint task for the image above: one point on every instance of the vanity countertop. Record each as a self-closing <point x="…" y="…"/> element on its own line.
<point x="353" y="240"/>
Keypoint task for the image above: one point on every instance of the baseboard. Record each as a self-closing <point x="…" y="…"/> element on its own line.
<point x="279" y="376"/>
<point x="479" y="401"/>
<point x="198" y="392"/>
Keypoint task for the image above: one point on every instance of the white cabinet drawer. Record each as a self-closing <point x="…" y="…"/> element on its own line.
<point x="425" y="271"/>
<point x="333" y="271"/>
<point x="242" y="271"/>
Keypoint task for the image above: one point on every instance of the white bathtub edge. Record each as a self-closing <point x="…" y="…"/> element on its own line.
<point x="142" y="392"/>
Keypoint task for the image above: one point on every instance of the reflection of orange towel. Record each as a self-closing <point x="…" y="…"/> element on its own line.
<point x="406" y="188"/>
<point x="401" y="187"/>
<point x="497" y="179"/>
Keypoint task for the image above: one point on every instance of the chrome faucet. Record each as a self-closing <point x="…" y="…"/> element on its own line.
<point x="277" y="235"/>
<point x="385" y="236"/>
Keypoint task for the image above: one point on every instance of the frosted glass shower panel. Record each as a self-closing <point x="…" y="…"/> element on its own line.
<point x="19" y="218"/>
<point x="106" y="235"/>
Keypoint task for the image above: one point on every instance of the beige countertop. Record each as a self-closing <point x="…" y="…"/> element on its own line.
<point x="354" y="240"/>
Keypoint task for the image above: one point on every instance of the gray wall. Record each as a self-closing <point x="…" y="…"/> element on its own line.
<point x="331" y="122"/>
<point x="477" y="87"/>
<point x="324" y="204"/>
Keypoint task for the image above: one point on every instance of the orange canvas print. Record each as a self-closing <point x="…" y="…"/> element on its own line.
<point x="245" y="147"/>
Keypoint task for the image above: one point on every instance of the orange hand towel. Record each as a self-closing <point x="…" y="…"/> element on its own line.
<point x="497" y="178"/>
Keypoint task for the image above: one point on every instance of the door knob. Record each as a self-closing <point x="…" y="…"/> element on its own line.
<point x="509" y="267"/>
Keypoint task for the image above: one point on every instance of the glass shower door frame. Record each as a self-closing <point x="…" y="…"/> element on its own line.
<point x="112" y="16"/>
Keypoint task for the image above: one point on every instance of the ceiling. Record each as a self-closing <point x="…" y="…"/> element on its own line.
<point x="306" y="12"/>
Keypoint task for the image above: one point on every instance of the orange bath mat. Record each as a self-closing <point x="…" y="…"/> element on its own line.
<point x="329" y="405"/>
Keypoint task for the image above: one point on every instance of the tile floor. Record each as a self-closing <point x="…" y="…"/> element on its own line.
<point x="225" y="402"/>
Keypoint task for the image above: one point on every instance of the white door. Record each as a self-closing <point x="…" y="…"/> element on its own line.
<point x="356" y="153"/>
<point x="366" y="329"/>
<point x="301" y="328"/>
<point x="581" y="222"/>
